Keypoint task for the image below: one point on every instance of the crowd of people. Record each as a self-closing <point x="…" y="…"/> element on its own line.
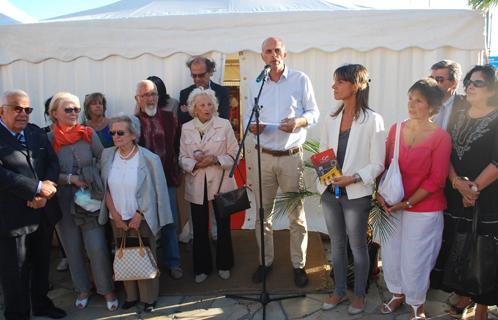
<point x="447" y="152"/>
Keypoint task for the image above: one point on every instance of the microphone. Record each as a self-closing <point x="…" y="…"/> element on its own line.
<point x="263" y="73"/>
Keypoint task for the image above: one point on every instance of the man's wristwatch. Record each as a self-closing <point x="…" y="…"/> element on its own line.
<point x="357" y="178"/>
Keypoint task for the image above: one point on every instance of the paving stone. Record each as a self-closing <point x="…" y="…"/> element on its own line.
<point x="300" y="307"/>
<point x="274" y="311"/>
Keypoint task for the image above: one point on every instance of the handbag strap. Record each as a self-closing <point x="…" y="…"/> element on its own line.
<point x="396" y="141"/>
<point x="122" y="246"/>
<point x="223" y="174"/>
<point x="475" y="220"/>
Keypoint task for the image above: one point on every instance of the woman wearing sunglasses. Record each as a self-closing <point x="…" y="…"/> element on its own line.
<point x="78" y="148"/>
<point x="136" y="199"/>
<point x="473" y="173"/>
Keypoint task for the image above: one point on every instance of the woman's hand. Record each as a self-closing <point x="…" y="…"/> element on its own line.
<point x="118" y="221"/>
<point x="75" y="180"/>
<point x="382" y="202"/>
<point x="468" y="190"/>
<point x="206" y="161"/>
<point x="343" y="181"/>
<point x="135" y="221"/>
<point x="398" y="206"/>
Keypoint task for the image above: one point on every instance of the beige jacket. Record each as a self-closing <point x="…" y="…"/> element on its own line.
<point x="218" y="141"/>
<point x="152" y="190"/>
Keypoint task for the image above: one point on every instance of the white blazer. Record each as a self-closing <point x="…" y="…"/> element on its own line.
<point x="365" y="152"/>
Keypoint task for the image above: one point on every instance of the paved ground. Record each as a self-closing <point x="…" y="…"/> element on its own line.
<point x="219" y="307"/>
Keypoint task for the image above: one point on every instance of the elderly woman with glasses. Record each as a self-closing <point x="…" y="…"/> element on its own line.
<point x="473" y="175"/>
<point x="207" y="148"/>
<point x="78" y="149"/>
<point x="136" y="199"/>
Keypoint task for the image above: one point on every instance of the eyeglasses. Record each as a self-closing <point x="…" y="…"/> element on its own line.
<point x="198" y="75"/>
<point x="148" y="94"/>
<point x="71" y="110"/>
<point x="19" y="109"/>
<point x="476" y="83"/>
<point x="439" y="79"/>
<point x="118" y="132"/>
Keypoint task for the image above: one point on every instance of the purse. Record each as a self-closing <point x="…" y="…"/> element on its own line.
<point x="391" y="183"/>
<point x="134" y="263"/>
<point x="471" y="264"/>
<point x="230" y="202"/>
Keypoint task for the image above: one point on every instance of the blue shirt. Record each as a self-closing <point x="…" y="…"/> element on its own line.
<point x="290" y="97"/>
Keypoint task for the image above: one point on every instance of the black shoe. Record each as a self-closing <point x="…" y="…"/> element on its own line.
<point x="128" y="304"/>
<point x="257" y="276"/>
<point x="51" y="312"/>
<point x="149" y="307"/>
<point x="300" y="277"/>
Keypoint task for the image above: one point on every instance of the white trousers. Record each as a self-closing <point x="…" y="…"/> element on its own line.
<point x="410" y="253"/>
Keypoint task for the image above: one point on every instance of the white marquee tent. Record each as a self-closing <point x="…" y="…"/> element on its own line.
<point x="110" y="49"/>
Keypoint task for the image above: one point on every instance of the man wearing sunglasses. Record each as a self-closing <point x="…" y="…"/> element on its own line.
<point x="28" y="169"/>
<point x="201" y="70"/>
<point x="447" y="74"/>
<point x="160" y="134"/>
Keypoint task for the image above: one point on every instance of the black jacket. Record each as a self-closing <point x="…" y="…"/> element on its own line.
<point x="221" y="93"/>
<point x="21" y="168"/>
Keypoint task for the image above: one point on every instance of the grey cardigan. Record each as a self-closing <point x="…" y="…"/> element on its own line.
<point x="71" y="158"/>
<point x="152" y="189"/>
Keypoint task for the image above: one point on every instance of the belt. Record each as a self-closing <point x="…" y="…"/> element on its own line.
<point x="281" y="153"/>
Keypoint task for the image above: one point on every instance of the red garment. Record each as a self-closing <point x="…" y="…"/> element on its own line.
<point x="62" y="136"/>
<point x="160" y="135"/>
<point x="425" y="165"/>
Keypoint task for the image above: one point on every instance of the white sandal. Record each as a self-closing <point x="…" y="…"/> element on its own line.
<point x="112" y="305"/>
<point x="81" y="303"/>
<point x="387" y="305"/>
<point x="415" y="316"/>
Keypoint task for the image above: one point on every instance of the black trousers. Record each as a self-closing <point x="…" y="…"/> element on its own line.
<point x="202" y="248"/>
<point x="24" y="272"/>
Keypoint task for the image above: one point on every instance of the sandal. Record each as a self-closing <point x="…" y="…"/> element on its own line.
<point x="330" y="306"/>
<point x="386" y="308"/>
<point x="458" y="309"/>
<point x="112" y="305"/>
<point x="415" y="316"/>
<point x="81" y="303"/>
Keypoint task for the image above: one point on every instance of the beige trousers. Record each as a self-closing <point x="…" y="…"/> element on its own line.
<point x="285" y="172"/>
<point x="146" y="291"/>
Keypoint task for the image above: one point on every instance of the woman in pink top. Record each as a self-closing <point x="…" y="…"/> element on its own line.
<point x="410" y="252"/>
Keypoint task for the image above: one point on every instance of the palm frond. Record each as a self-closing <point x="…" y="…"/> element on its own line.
<point x="380" y="222"/>
<point x="482" y="4"/>
<point x="289" y="201"/>
<point x="311" y="146"/>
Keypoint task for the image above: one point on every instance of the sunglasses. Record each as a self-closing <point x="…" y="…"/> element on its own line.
<point x="476" y="83"/>
<point x="19" y="109"/>
<point x="118" y="132"/>
<point x="71" y="110"/>
<point x="198" y="75"/>
<point x="439" y="79"/>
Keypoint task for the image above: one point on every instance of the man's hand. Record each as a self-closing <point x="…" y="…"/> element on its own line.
<point x="37" y="203"/>
<point x="254" y="128"/>
<point x="343" y="181"/>
<point x="47" y="189"/>
<point x="289" y="124"/>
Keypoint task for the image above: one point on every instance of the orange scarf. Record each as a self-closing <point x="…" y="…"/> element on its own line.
<point x="63" y="136"/>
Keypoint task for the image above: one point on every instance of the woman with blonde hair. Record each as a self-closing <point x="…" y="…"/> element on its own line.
<point x="78" y="149"/>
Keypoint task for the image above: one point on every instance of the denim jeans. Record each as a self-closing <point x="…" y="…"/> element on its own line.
<point x="169" y="241"/>
<point x="347" y="220"/>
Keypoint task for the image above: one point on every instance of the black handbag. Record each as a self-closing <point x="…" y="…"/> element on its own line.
<point x="471" y="265"/>
<point x="230" y="202"/>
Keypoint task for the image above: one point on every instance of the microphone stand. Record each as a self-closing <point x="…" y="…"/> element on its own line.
<point x="264" y="296"/>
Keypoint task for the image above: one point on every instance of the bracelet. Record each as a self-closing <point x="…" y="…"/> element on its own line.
<point x="409" y="204"/>
<point x="68" y="178"/>
<point x="139" y="212"/>
<point x="357" y="178"/>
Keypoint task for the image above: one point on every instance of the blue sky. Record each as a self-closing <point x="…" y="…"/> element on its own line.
<point x="53" y="8"/>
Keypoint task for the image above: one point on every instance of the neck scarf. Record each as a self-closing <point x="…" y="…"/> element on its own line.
<point x="203" y="127"/>
<point x="63" y="136"/>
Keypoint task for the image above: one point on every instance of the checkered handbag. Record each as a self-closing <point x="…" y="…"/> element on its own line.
<point x="134" y="263"/>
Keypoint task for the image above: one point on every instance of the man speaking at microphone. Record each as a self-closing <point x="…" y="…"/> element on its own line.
<point x="288" y="109"/>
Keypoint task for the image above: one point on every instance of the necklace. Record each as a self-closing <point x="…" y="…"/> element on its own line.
<point x="128" y="155"/>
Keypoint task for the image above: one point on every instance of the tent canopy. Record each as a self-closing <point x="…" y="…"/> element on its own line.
<point x="329" y="31"/>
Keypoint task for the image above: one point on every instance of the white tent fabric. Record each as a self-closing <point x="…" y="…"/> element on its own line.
<point x="112" y="55"/>
<point x="10" y="14"/>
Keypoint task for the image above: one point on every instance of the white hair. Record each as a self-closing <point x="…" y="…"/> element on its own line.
<point x="198" y="92"/>
<point x="13" y="93"/>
